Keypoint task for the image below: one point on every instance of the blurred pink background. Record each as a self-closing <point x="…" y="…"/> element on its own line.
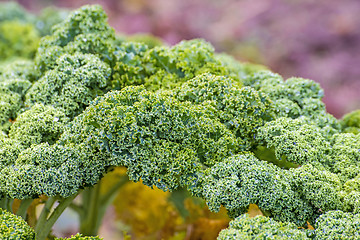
<point x="316" y="39"/>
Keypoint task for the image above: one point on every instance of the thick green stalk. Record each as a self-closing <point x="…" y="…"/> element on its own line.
<point x="90" y="206"/>
<point x="6" y="203"/>
<point x="45" y="222"/>
<point x="24" y="205"/>
<point x="44" y="213"/>
<point x="9" y="205"/>
<point x="3" y="203"/>
<point x="94" y="206"/>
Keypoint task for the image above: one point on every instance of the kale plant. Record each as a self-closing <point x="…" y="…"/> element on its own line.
<point x="178" y="118"/>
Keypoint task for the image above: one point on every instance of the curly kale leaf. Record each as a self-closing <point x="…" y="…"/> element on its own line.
<point x="351" y="195"/>
<point x="331" y="225"/>
<point x="19" y="36"/>
<point x="149" y="40"/>
<point x="161" y="140"/>
<point x="296" y="195"/>
<point x="319" y="188"/>
<point x="52" y="170"/>
<point x="292" y="140"/>
<point x="351" y="122"/>
<point x="242" y="110"/>
<point x="14" y="227"/>
<point x="41" y="123"/>
<point x="23" y="69"/>
<point x="242" y="180"/>
<point x="294" y="98"/>
<point x="337" y="225"/>
<point x="73" y="83"/>
<point x="260" y="227"/>
<point x="49" y="17"/>
<point x="84" y="31"/>
<point x="9" y="150"/>
<point x="164" y="67"/>
<point x="343" y="157"/>
<point x="238" y="70"/>
<point x="129" y="68"/>
<point x="80" y="237"/>
<point x="10" y="104"/>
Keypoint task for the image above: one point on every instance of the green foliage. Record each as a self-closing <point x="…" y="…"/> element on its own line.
<point x="129" y="68"/>
<point x="294" y="98"/>
<point x="18" y="69"/>
<point x="293" y="140"/>
<point x="16" y="85"/>
<point x="337" y="225"/>
<point x="237" y="69"/>
<point x="20" y="31"/>
<point x="84" y="30"/>
<point x="296" y="195"/>
<point x="261" y="78"/>
<point x="331" y="225"/>
<point x="259" y="227"/>
<point x="320" y="189"/>
<point x="344" y="156"/>
<point x="13" y="227"/>
<point x="148" y="39"/>
<point x="79" y="237"/>
<point x="49" y="170"/>
<point x="125" y="124"/>
<point x="351" y="122"/>
<point x="72" y="84"/>
<point x="351" y="195"/>
<point x="242" y="110"/>
<point x="180" y="117"/>
<point x="10" y="104"/>
<point x="164" y="67"/>
<point x="9" y="151"/>
<point x="15" y="80"/>
<point x="41" y="123"/>
<point x="242" y="180"/>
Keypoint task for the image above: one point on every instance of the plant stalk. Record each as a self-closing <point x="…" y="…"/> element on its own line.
<point x="45" y="222"/>
<point x="94" y="206"/>
<point x="89" y="216"/>
<point x="24" y="205"/>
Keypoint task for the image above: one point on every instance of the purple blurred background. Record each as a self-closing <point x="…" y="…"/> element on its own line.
<point x="316" y="39"/>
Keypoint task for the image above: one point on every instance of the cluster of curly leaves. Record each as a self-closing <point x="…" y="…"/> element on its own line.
<point x="177" y="117"/>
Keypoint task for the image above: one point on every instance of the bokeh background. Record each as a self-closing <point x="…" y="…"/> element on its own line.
<point x="316" y="39"/>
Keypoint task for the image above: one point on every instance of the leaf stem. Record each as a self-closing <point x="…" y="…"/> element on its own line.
<point x="44" y="213"/>
<point x="9" y="205"/>
<point x="44" y="225"/>
<point x="24" y="205"/>
<point x="89" y="216"/>
<point x="94" y="206"/>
